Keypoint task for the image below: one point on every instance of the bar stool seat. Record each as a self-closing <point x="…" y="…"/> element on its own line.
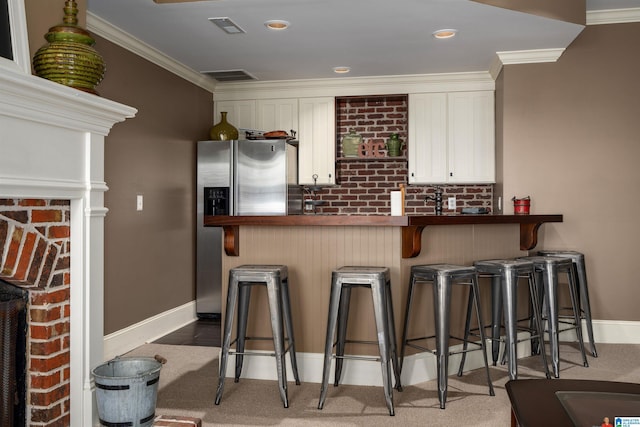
<point x="342" y="281"/>
<point x="548" y="268"/>
<point x="443" y="277"/>
<point x="276" y="280"/>
<point x="505" y="275"/>
<point x="580" y="270"/>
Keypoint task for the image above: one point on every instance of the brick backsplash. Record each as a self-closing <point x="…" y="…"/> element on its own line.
<point x="363" y="185"/>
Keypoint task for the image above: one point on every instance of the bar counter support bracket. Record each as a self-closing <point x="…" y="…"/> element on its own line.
<point x="231" y="238"/>
<point x="529" y="235"/>
<point x="412" y="238"/>
<point x="412" y="241"/>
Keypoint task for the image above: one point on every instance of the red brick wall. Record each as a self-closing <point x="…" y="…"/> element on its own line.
<point x="364" y="184"/>
<point x="35" y="255"/>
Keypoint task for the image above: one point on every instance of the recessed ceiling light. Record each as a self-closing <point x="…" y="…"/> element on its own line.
<point x="341" y="70"/>
<point x="444" y="34"/>
<point x="277" y="24"/>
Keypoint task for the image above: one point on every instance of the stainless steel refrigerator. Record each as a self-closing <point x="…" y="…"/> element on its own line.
<point x="240" y="177"/>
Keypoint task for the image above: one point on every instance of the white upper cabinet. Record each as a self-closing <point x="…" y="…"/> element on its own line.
<point x="427" y="146"/>
<point x="277" y="114"/>
<point x="241" y="114"/>
<point x="317" y="136"/>
<point x="262" y="115"/>
<point x="451" y="138"/>
<point x="471" y="137"/>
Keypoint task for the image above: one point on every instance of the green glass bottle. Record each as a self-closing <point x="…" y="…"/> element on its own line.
<point x="394" y="145"/>
<point x="351" y="143"/>
<point x="223" y="131"/>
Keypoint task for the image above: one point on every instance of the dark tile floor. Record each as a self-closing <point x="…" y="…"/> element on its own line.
<point x="204" y="332"/>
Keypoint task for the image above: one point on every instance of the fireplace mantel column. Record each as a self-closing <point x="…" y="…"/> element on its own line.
<point x="53" y="148"/>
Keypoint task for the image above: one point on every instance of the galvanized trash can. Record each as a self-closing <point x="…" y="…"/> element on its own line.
<point x="126" y="391"/>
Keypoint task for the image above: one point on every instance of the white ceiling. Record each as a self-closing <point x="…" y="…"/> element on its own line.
<point x="372" y="37"/>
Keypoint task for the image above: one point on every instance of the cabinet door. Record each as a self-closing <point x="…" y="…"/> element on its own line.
<point x="317" y="149"/>
<point x="471" y="137"/>
<point x="427" y="145"/>
<point x="241" y="114"/>
<point x="277" y="114"/>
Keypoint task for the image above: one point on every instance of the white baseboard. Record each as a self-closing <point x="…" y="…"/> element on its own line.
<point x="607" y="332"/>
<point x="417" y="368"/>
<point x="148" y="330"/>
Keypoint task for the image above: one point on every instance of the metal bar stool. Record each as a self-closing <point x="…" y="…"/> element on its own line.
<point x="583" y="289"/>
<point x="443" y="277"/>
<point x="505" y="275"/>
<point x="549" y="267"/>
<point x="241" y="279"/>
<point x="342" y="281"/>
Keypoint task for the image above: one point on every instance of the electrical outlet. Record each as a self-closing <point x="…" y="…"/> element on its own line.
<point x="139" y="201"/>
<point x="308" y="205"/>
<point x="452" y="203"/>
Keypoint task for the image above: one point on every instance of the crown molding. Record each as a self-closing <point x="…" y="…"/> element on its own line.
<point x="530" y="56"/>
<point x="355" y="86"/>
<point x="99" y="26"/>
<point x="613" y="16"/>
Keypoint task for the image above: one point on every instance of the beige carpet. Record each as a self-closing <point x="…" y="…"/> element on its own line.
<point x="189" y="378"/>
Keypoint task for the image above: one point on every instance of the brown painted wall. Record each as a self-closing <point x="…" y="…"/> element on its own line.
<point x="150" y="254"/>
<point x="571" y="141"/>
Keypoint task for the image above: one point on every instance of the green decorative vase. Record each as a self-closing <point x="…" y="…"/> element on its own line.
<point x="69" y="58"/>
<point x="351" y="143"/>
<point x="394" y="145"/>
<point x="223" y="131"/>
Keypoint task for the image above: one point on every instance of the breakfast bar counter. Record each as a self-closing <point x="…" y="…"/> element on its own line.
<point x="412" y="225"/>
<point x="312" y="246"/>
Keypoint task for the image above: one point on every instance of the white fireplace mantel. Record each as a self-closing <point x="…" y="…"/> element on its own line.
<point x="52" y="147"/>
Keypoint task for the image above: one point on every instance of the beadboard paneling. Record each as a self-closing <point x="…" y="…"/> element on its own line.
<point x="311" y="253"/>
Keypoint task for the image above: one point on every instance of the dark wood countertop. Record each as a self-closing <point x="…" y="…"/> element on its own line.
<point x="302" y="220"/>
<point x="412" y="225"/>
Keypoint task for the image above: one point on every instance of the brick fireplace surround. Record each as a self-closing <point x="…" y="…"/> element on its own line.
<point x="52" y="206"/>
<point x="34" y="255"/>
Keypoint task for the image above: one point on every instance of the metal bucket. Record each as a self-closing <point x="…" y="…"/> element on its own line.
<point x="127" y="390"/>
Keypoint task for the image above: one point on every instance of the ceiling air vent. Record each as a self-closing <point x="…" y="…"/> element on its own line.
<point x="227" y="25"/>
<point x="230" y="75"/>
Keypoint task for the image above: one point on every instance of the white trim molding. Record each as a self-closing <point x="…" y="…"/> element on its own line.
<point x="533" y="56"/>
<point x="613" y="16"/>
<point x="530" y="56"/>
<point x="148" y="330"/>
<point x="19" y="39"/>
<point x="53" y="148"/>
<point x="419" y="367"/>
<point x="355" y="86"/>
<point x="99" y="26"/>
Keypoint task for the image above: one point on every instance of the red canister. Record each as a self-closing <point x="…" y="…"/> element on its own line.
<point x="521" y="206"/>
